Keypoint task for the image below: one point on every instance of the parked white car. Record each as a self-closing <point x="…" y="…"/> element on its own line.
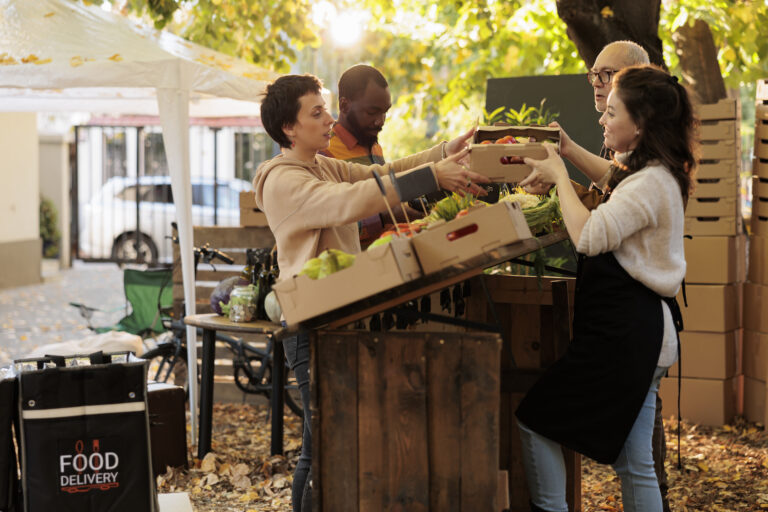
<point x="108" y="221"/>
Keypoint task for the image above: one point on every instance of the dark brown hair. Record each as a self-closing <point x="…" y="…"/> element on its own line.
<point x="280" y="104"/>
<point x="661" y="108"/>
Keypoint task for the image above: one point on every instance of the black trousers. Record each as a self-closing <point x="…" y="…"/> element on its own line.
<point x="297" y="356"/>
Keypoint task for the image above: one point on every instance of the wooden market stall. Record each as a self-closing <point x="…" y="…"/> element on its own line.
<point x="406" y="420"/>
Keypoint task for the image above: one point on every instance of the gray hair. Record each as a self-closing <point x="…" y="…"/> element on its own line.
<point x="633" y="53"/>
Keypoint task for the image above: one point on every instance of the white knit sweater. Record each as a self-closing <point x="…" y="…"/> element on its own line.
<point x="643" y="225"/>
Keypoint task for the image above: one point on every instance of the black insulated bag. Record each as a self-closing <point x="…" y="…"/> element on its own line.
<point x="85" y="439"/>
<point x="9" y="480"/>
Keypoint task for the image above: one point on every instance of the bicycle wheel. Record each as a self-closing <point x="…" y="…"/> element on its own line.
<point x="250" y="377"/>
<point x="168" y="364"/>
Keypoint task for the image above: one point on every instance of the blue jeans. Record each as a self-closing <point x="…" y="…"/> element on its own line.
<point x="297" y="356"/>
<point x="545" y="466"/>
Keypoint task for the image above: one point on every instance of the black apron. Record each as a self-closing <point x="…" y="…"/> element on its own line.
<point x="590" y="398"/>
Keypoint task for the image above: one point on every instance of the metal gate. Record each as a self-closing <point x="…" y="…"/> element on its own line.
<point x="122" y="201"/>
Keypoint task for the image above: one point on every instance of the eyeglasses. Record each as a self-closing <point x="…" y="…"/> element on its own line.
<point x="605" y="76"/>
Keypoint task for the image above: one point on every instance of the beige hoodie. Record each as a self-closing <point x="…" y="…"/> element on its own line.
<point x="314" y="207"/>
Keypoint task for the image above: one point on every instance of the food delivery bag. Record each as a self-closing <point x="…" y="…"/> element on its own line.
<point x="85" y="439"/>
<point x="9" y="483"/>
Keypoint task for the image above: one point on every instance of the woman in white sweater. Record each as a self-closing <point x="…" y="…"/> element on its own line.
<point x="599" y="399"/>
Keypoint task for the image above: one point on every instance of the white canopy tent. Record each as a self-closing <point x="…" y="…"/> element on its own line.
<point x="64" y="55"/>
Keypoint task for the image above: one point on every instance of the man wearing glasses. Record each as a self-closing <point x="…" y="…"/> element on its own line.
<point x="613" y="58"/>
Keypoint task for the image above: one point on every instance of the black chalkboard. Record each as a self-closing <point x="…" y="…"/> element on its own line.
<point x="571" y="95"/>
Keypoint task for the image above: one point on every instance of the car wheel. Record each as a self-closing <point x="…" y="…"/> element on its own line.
<point x="126" y="249"/>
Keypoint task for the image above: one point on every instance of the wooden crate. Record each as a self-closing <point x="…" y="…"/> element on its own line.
<point x="536" y="325"/>
<point x="405" y="421"/>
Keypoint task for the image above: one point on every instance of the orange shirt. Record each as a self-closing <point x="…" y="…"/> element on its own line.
<point x="344" y="146"/>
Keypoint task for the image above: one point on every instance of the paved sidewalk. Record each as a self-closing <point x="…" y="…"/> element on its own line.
<point x="40" y="314"/>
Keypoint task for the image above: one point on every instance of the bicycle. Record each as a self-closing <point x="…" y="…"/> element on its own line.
<point x="252" y="366"/>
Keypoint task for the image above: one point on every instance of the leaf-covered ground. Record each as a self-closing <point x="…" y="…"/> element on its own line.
<point x="724" y="469"/>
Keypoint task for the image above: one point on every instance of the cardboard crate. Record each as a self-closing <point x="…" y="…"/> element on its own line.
<point x="715" y="259"/>
<point x="713" y="207"/>
<point x="758" y="259"/>
<point x="759" y="224"/>
<point x="722" y="149"/>
<point x="374" y="271"/>
<point x="760" y="206"/>
<point x="754" y="400"/>
<point x="718" y="130"/>
<point x="723" y="109"/>
<point x="761" y="112"/>
<point x="711" y="307"/>
<point x="503" y="162"/>
<point x="709" y="355"/>
<point x="711" y="402"/>
<point x="760" y="187"/>
<point x="716" y="187"/>
<point x="761" y="150"/>
<point x="755" y="354"/>
<point x="756" y="307"/>
<point x="724" y="168"/>
<point x="712" y="226"/>
<point x="761" y="130"/>
<point x="250" y="215"/>
<point x="760" y="168"/>
<point x="761" y="90"/>
<point x="479" y="232"/>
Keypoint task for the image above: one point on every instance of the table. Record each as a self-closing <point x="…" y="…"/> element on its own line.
<point x="210" y="323"/>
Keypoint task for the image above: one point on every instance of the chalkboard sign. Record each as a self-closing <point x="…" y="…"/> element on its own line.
<point x="571" y="95"/>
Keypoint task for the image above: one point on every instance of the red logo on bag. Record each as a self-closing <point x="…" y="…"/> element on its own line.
<point x="84" y="472"/>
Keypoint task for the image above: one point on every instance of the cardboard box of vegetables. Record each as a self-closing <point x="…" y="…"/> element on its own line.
<point x="335" y="279"/>
<point x="498" y="151"/>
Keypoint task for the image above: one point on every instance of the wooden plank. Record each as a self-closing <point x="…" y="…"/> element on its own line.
<point x="519" y="497"/>
<point x="444" y="412"/>
<point x="206" y="274"/>
<point x="479" y="422"/>
<point x="572" y="480"/>
<point x="224" y="237"/>
<point x="372" y="462"/>
<point x="336" y="354"/>
<point x="316" y="416"/>
<point x="405" y="401"/>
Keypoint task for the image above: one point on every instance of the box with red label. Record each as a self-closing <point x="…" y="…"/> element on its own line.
<point x="498" y="151"/>
<point x="479" y="232"/>
<point x="374" y="271"/>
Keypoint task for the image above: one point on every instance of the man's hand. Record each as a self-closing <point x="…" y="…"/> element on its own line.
<point x="459" y="143"/>
<point x="546" y="172"/>
<point x="456" y="177"/>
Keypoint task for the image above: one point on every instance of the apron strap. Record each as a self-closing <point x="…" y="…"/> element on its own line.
<point x="677" y="318"/>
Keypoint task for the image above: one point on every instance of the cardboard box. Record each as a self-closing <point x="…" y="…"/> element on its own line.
<point x="253" y="217"/>
<point x="716" y="187"/>
<point x="759" y="224"/>
<point x="503" y="162"/>
<point x="711" y="307"/>
<point x="756" y="307"/>
<point x="761" y="150"/>
<point x="709" y="355"/>
<point x="754" y="400"/>
<point x="713" y="207"/>
<point x="711" y="402"/>
<point x="761" y="91"/>
<point x="761" y="112"/>
<point x="723" y="109"/>
<point x="718" y="130"/>
<point x="712" y="226"/>
<point x="760" y="187"/>
<point x="718" y="150"/>
<point x="715" y="259"/>
<point x="760" y="168"/>
<point x="760" y="206"/>
<point x="755" y="355"/>
<point x="761" y="131"/>
<point x="479" y="232"/>
<point x="726" y="168"/>
<point x="248" y="199"/>
<point x="758" y="259"/>
<point x="374" y="271"/>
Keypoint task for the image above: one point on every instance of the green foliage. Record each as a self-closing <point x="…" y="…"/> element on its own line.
<point x="49" y="231"/>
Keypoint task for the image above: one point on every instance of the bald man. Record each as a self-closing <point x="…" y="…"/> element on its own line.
<point x="613" y="58"/>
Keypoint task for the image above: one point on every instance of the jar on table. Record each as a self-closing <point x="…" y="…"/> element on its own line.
<point x="242" y="303"/>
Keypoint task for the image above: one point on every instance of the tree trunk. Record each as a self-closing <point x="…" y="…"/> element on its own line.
<point x="698" y="61"/>
<point x="592" y="24"/>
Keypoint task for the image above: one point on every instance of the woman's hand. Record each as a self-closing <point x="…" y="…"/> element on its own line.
<point x="565" y="140"/>
<point x="459" y="143"/>
<point x="456" y="177"/>
<point x="546" y="172"/>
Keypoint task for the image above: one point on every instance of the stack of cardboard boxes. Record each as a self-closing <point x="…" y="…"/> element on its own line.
<point x="716" y="260"/>
<point x="756" y="290"/>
